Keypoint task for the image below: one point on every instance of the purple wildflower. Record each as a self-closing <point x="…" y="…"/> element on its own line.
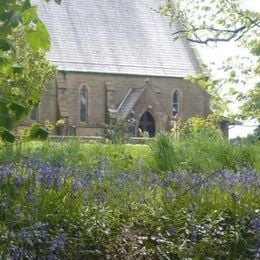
<point x="52" y="256"/>
<point x="24" y="234"/>
<point x="40" y="225"/>
<point x="180" y="180"/>
<point x="58" y="243"/>
<point x="18" y="180"/>
<point x="49" y="176"/>
<point x="255" y="223"/>
<point x="77" y="185"/>
<point x="155" y="181"/>
<point x="7" y="170"/>
<point x="81" y="183"/>
<point x="123" y="179"/>
<point x="17" y="253"/>
<point x="170" y="231"/>
<point x="170" y="176"/>
<point x="195" y="234"/>
<point x="195" y="179"/>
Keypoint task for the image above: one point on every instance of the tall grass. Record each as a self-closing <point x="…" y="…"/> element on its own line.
<point x="164" y="153"/>
<point x="199" y="153"/>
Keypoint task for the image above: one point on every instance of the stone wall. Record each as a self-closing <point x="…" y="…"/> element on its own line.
<point x="61" y="98"/>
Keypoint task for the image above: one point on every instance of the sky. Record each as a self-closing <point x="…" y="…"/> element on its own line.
<point x="218" y="54"/>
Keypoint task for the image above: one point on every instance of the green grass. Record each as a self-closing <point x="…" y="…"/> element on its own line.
<point x="196" y="154"/>
<point x="257" y="153"/>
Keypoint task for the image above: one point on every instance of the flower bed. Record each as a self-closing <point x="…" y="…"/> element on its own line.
<point x="55" y="211"/>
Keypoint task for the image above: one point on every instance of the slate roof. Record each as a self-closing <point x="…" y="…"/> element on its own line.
<point x="115" y="36"/>
<point x="128" y="102"/>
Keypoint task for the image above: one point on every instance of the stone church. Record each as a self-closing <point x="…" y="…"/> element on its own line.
<point x="116" y="60"/>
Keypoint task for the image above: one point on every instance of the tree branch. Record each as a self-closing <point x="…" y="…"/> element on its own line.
<point x="236" y="34"/>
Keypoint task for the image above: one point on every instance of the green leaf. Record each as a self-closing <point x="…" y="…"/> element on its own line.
<point x="3" y="60"/>
<point x="10" y="112"/>
<point x="5" y="120"/>
<point x="26" y="5"/>
<point x="38" y="38"/>
<point x="17" y="68"/>
<point x="6" y="135"/>
<point x="232" y="74"/>
<point x="5" y="45"/>
<point x="16" y="19"/>
<point x="30" y="15"/>
<point x="38" y="132"/>
<point x="19" y="110"/>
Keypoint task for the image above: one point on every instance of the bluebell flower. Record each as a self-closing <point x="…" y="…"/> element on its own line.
<point x="123" y="179"/>
<point x="58" y="243"/>
<point x="170" y="176"/>
<point x="180" y="180"/>
<point x="49" y="176"/>
<point x="77" y="185"/>
<point x="195" y="234"/>
<point x="255" y="223"/>
<point x="52" y="256"/>
<point x="170" y="231"/>
<point x="18" y="180"/>
<point x="40" y="225"/>
<point x="156" y="181"/>
<point x="194" y="179"/>
<point x="165" y="184"/>
<point x="17" y="254"/>
<point x="24" y="234"/>
<point x="7" y="170"/>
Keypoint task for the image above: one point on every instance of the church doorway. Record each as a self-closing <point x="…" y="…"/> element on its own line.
<point x="147" y="124"/>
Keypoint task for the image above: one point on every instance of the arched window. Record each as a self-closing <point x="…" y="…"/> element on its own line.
<point x="83" y="104"/>
<point x="175" y="103"/>
<point x="34" y="114"/>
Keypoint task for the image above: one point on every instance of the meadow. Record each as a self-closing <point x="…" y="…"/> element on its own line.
<point x="197" y="198"/>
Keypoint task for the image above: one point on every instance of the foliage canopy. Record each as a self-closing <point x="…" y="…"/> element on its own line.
<point x="213" y="21"/>
<point x="24" y="70"/>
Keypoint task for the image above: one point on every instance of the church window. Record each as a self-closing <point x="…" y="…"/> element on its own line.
<point x="83" y="104"/>
<point x="34" y="114"/>
<point x="175" y="103"/>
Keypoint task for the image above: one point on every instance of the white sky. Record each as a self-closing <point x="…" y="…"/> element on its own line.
<point x="218" y="55"/>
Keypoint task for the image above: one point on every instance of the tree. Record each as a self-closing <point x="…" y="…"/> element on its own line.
<point x="24" y="70"/>
<point x="213" y="21"/>
<point x="251" y="108"/>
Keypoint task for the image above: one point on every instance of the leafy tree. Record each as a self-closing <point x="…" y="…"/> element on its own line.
<point x="251" y="108"/>
<point x="204" y="21"/>
<point x="24" y="69"/>
<point x="213" y="21"/>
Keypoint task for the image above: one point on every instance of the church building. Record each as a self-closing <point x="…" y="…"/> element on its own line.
<point x="116" y="60"/>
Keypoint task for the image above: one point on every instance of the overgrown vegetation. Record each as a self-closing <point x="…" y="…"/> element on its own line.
<point x="24" y="70"/>
<point x="199" y="146"/>
<point x="98" y="201"/>
<point x="211" y="22"/>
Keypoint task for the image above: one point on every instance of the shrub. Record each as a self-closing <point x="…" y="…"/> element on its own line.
<point x="202" y="127"/>
<point x="116" y="133"/>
